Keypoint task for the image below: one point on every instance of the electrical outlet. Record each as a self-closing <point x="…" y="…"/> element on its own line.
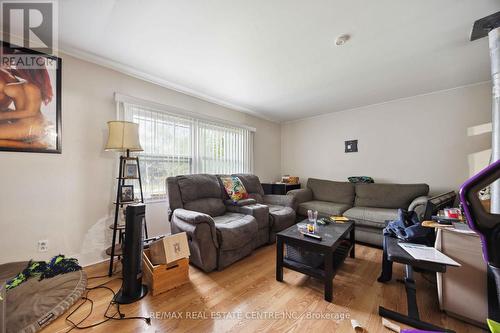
<point x="43" y="245"/>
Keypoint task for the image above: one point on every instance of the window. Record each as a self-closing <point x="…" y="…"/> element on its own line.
<point x="223" y="149"/>
<point x="177" y="143"/>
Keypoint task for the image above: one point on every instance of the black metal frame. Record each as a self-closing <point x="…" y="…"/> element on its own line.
<point x="125" y="187"/>
<point x="394" y="253"/>
<point x="118" y="204"/>
<point x="413" y="317"/>
<point x="328" y="273"/>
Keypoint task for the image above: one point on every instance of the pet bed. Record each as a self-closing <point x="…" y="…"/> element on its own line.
<point x="34" y="304"/>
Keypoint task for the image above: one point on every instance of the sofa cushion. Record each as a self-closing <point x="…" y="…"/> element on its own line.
<point x="174" y="194"/>
<point x="251" y="182"/>
<point x="193" y="187"/>
<point x="210" y="206"/>
<point x="373" y="236"/>
<point x="257" y="197"/>
<point x="252" y="185"/>
<point x="371" y="217"/>
<point x="235" y="230"/>
<point x="281" y="217"/>
<point x="224" y="193"/>
<point x="323" y="207"/>
<point x="327" y="190"/>
<point x="388" y="195"/>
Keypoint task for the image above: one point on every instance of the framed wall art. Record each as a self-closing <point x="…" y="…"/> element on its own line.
<point x="30" y="100"/>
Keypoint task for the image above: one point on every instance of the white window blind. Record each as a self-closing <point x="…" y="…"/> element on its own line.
<point x="223" y="149"/>
<point x="176" y="144"/>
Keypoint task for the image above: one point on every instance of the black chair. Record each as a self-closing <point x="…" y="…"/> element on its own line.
<point x="394" y="253"/>
<point x="397" y="254"/>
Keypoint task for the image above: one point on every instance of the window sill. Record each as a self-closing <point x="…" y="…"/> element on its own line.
<point x="155" y="200"/>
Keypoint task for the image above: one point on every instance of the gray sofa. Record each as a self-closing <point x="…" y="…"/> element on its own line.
<point x="219" y="231"/>
<point x="369" y="205"/>
<point x="281" y="207"/>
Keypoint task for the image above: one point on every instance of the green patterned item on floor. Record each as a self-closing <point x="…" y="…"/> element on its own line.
<point x="43" y="270"/>
<point x="34" y="269"/>
<point x="494" y="326"/>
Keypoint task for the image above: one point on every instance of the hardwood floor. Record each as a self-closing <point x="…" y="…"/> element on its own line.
<point x="248" y="289"/>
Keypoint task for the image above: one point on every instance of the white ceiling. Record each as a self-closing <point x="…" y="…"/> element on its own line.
<point x="278" y="57"/>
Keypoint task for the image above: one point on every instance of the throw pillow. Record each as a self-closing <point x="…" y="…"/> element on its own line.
<point x="234" y="188"/>
<point x="361" y="179"/>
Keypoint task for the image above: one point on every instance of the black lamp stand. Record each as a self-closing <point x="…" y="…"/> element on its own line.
<point x="113" y="251"/>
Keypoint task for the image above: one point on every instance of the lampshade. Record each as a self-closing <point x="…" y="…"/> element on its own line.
<point x="123" y="136"/>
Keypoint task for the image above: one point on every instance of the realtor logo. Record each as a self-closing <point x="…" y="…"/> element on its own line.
<point x="29" y="25"/>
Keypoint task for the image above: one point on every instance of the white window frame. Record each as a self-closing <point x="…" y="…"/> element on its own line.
<point x="198" y="121"/>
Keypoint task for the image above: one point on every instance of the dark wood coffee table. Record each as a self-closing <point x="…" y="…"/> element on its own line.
<point x="332" y="245"/>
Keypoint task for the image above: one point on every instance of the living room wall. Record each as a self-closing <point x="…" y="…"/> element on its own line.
<point x="66" y="199"/>
<point x="440" y="138"/>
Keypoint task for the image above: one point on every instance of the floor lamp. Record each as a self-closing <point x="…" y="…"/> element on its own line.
<point x="123" y="137"/>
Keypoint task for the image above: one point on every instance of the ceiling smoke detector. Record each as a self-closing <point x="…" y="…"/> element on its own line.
<point x="342" y="39"/>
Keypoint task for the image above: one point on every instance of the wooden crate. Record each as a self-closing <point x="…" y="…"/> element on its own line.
<point x="161" y="278"/>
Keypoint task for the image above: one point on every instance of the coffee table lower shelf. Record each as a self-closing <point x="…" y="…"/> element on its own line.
<point x="339" y="256"/>
<point x="317" y="273"/>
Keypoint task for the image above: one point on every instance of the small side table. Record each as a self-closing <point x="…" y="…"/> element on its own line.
<point x="279" y="188"/>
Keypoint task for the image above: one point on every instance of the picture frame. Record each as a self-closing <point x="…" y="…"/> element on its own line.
<point x="127" y="193"/>
<point x="130" y="171"/>
<point x="40" y="131"/>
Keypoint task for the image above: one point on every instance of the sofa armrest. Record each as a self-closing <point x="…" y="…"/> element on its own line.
<point x="202" y="237"/>
<point x="418" y="205"/>
<point x="197" y="225"/>
<point x="418" y="201"/>
<point x="260" y="212"/>
<point x="300" y="195"/>
<point x="240" y="203"/>
<point x="279" y="200"/>
<point x="192" y="217"/>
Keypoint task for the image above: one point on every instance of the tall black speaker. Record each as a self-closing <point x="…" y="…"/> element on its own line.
<point x="132" y="288"/>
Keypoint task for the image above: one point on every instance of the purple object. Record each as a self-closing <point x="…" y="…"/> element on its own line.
<point x="486" y="224"/>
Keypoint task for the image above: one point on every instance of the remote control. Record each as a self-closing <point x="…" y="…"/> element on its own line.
<point x="318" y="237"/>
